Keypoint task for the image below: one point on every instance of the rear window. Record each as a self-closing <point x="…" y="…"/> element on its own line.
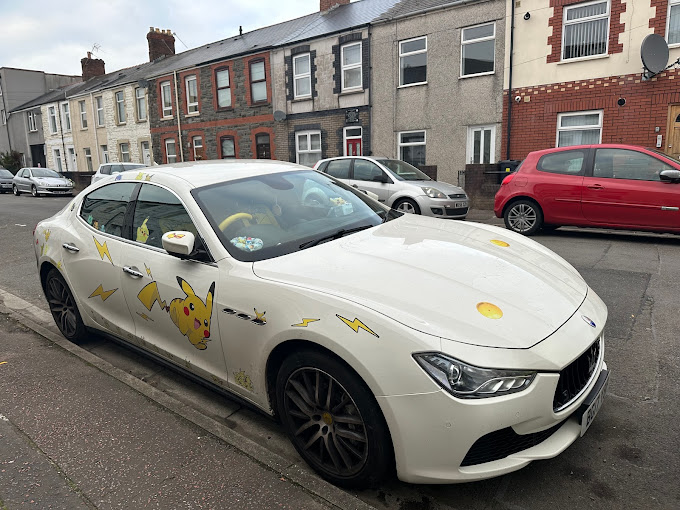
<point x="563" y="162"/>
<point x="104" y="208"/>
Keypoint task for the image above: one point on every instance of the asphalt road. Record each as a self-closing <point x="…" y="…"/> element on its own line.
<point x="629" y="457"/>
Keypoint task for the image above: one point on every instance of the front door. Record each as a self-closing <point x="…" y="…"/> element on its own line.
<point x="672" y="147"/>
<point x="263" y="147"/>
<point x="353" y="147"/>
<point x="369" y="176"/>
<point x="72" y="165"/>
<point x="146" y="154"/>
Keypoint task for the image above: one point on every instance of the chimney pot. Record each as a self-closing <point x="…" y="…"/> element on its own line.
<point x="92" y="67"/>
<point x="161" y="43"/>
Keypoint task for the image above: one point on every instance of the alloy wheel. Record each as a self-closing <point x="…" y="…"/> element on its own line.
<point x="326" y="421"/>
<point x="62" y="306"/>
<point x="522" y="217"/>
<point x="407" y="206"/>
<point x="15" y="190"/>
<point x="34" y="191"/>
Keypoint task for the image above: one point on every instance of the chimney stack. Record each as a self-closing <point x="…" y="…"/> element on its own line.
<point x="326" y="5"/>
<point x="161" y="43"/>
<point x="92" y="67"/>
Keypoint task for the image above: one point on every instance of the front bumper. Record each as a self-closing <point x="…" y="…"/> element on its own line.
<point x="54" y="190"/>
<point x="455" y="209"/>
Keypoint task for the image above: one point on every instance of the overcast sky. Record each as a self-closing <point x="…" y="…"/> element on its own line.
<point x="53" y="36"/>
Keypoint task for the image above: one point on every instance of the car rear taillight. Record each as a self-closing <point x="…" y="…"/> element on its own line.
<point x="34" y="229"/>
<point x="507" y="179"/>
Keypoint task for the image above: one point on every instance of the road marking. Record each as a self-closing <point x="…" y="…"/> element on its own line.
<point x="19" y="225"/>
<point x="3" y="362"/>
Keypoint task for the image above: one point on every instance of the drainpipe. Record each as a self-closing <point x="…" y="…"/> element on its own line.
<point x="179" y="124"/>
<point x="95" y="123"/>
<point x="370" y="90"/>
<point x="512" y="33"/>
<point x="61" y="130"/>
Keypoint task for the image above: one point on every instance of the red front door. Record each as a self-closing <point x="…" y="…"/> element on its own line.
<point x="353" y="147"/>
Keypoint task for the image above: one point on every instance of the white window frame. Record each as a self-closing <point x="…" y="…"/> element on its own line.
<point x="471" y="144"/>
<point x="299" y="76"/>
<point x="308" y="134"/>
<point x="410" y="144"/>
<point x="464" y="43"/>
<point x="32" y="124"/>
<point x="582" y="20"/>
<point x="121" y="114"/>
<point x="83" y="114"/>
<point x="560" y="116"/>
<point x="166" y="110"/>
<point x="88" y="159"/>
<point x="401" y="55"/>
<point x="121" y="152"/>
<point x="218" y="88"/>
<point x="170" y="141"/>
<point x="52" y="120"/>
<point x="345" y="137"/>
<point x="193" y="144"/>
<point x="105" y="153"/>
<point x="99" y="102"/>
<point x="194" y="104"/>
<point x="140" y="103"/>
<point x="65" y="117"/>
<point x="57" y="160"/>
<point x="349" y="67"/>
<point x="671" y="3"/>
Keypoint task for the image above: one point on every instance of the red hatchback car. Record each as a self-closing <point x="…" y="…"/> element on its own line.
<point x="612" y="186"/>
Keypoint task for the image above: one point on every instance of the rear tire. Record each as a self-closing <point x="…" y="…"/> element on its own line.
<point x="15" y="190"/>
<point x="524" y="217"/>
<point x="406" y="205"/>
<point x="63" y="307"/>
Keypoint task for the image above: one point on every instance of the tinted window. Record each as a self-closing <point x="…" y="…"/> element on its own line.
<point x="105" y="207"/>
<point x="565" y="162"/>
<point x="158" y="211"/>
<point x="116" y="169"/>
<point x="339" y="168"/>
<point x="322" y="166"/>
<point x="5" y="173"/>
<point x="366" y="171"/>
<point x="403" y="171"/>
<point x="106" y="169"/>
<point x="627" y="164"/>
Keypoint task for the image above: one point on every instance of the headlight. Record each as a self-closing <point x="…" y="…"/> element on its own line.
<point x="467" y="381"/>
<point x="434" y="193"/>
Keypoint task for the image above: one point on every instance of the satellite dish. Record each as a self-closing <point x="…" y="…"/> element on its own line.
<point x="279" y="115"/>
<point x="654" y="55"/>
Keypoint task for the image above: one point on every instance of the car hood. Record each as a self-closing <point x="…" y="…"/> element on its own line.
<point x="436" y="276"/>
<point x="52" y="181"/>
<point x="444" y="187"/>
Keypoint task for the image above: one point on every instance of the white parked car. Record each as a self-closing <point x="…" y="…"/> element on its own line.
<point x="458" y="351"/>
<point x="106" y="169"/>
<point x="399" y="185"/>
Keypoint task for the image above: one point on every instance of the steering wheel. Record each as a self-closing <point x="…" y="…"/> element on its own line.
<point x="234" y="217"/>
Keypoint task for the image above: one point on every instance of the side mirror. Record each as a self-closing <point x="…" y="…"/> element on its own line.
<point x="380" y="178"/>
<point x="670" y="176"/>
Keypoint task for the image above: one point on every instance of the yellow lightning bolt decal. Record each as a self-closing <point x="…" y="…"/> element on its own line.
<point x="260" y="316"/>
<point x="145" y="317"/>
<point x="356" y="324"/>
<point x="304" y="323"/>
<point x="47" y="235"/>
<point x="104" y="294"/>
<point x="59" y="265"/>
<point x="102" y="249"/>
<point x="148" y="271"/>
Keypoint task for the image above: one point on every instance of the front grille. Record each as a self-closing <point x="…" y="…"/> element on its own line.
<point x="502" y="443"/>
<point x="456" y="212"/>
<point x="458" y="195"/>
<point x="575" y="377"/>
<point x="56" y="189"/>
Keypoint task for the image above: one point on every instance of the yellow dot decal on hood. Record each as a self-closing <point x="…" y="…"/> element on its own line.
<point x="489" y="310"/>
<point x="500" y="243"/>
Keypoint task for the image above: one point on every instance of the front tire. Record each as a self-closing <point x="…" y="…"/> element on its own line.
<point x="63" y="307"/>
<point x="15" y="190"/>
<point x="406" y="205"/>
<point x="333" y="420"/>
<point x="34" y="191"/>
<point x="524" y="217"/>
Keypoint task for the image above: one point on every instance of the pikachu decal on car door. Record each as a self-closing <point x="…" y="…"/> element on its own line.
<point x="190" y="314"/>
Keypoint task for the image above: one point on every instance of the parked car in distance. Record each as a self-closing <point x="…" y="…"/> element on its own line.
<point x="106" y="169"/>
<point x="5" y="180"/>
<point x="611" y="186"/>
<point x="399" y="185"/>
<point x="41" y="181"/>
<point x="336" y="315"/>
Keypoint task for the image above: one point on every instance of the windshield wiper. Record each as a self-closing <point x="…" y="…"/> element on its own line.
<point x="336" y="235"/>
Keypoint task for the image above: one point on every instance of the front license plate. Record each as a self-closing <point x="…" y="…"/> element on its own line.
<point x="594" y="401"/>
<point x="459" y="205"/>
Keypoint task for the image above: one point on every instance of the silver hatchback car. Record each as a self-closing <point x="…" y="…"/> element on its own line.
<point x="41" y="181"/>
<point x="399" y="185"/>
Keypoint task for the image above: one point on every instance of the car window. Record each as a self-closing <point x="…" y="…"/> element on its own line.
<point x="44" y="172"/>
<point x="104" y="208"/>
<point x="116" y="169"/>
<point x="5" y="173"/>
<point x="158" y="211"/>
<point x="403" y="171"/>
<point x="366" y="170"/>
<point x="339" y="168"/>
<point x="23" y="173"/>
<point x="106" y="169"/>
<point x="563" y="162"/>
<point x="628" y="164"/>
<point x="322" y="166"/>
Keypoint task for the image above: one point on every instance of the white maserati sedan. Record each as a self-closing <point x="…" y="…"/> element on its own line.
<point x="380" y="340"/>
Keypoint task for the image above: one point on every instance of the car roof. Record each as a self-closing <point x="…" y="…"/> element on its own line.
<point x="597" y="145"/>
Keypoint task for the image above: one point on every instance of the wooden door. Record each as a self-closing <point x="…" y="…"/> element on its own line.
<point x="672" y="145"/>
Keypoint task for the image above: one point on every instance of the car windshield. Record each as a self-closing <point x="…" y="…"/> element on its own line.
<point x="44" y="172"/>
<point x="664" y="156"/>
<point x="6" y="173"/>
<point x="270" y="215"/>
<point x="403" y="171"/>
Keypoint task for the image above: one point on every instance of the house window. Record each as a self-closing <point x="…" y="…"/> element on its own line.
<point x="262" y="147"/>
<point x="52" y="114"/>
<point x="88" y="159"/>
<point x="66" y="116"/>
<point x="125" y="152"/>
<point x="673" y="28"/>
<point x="197" y="142"/>
<point x="481" y="145"/>
<point x="413" y="61"/>
<point x="302" y="77"/>
<point x="192" y="94"/>
<point x="308" y="147"/>
<point x="478" y="49"/>
<point x="100" y="110"/>
<point x="579" y="128"/>
<point x="167" y="99"/>
<point x="586" y="30"/>
<point x="83" y="115"/>
<point x="105" y="153"/>
<point x="170" y="151"/>
<point x="223" y="88"/>
<point x="351" y="66"/>
<point x="228" y="147"/>
<point x="120" y="107"/>
<point x="140" y="100"/>
<point x="32" y="126"/>
<point x="258" y="82"/>
<point x="57" y="160"/>
<point x="412" y="147"/>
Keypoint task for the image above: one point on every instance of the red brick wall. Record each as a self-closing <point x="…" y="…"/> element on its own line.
<point x="534" y="122"/>
<point x="658" y="22"/>
<point x="615" y="27"/>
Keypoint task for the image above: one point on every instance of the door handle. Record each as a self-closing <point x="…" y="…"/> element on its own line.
<point x="70" y="247"/>
<point x="132" y="271"/>
<point x="596" y="186"/>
